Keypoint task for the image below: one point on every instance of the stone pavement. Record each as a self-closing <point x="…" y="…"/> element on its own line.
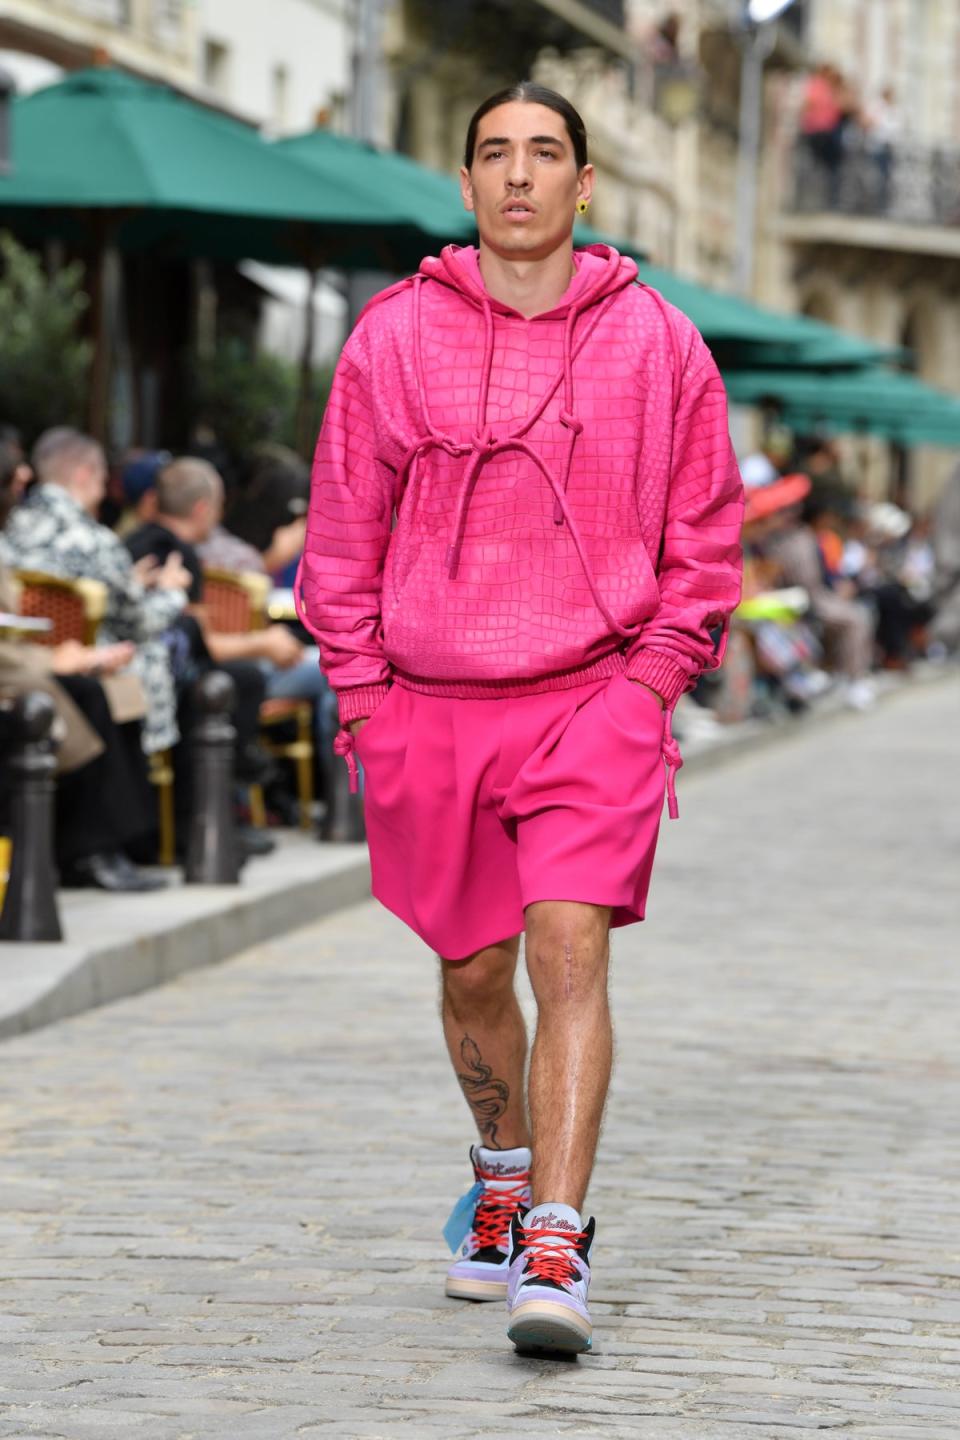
<point x="222" y="1199"/>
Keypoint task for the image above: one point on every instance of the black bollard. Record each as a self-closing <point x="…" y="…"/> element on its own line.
<point x="30" y="903"/>
<point x="212" y="852"/>
<point x="343" y="822"/>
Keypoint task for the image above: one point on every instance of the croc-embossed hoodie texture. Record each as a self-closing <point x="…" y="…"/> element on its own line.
<point x="503" y="504"/>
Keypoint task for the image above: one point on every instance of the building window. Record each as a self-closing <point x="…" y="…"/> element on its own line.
<point x="216" y="67"/>
<point x="167" y="20"/>
<point x="109" y="12"/>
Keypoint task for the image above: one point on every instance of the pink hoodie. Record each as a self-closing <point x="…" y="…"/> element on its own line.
<point x="567" y="500"/>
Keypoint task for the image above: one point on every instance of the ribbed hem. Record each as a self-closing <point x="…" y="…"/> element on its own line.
<point x="360" y="701"/>
<point x="602" y="669"/>
<point x="660" y="672"/>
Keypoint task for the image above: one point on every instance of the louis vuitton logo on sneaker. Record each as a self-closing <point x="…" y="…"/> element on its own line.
<point x="550" y="1222"/>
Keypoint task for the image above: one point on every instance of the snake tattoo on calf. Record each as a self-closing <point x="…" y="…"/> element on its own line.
<point x="486" y="1096"/>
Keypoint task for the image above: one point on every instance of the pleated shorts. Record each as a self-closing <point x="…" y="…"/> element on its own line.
<point x="475" y="809"/>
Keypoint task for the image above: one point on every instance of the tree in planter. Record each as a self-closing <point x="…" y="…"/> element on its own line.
<point x="247" y="398"/>
<point x="44" y="361"/>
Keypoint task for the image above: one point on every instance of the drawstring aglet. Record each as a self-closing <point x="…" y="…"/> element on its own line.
<point x="673" y="809"/>
<point x="344" y="744"/>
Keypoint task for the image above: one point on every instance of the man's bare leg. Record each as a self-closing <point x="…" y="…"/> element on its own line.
<point x="567" y="951"/>
<point x="487" y="1041"/>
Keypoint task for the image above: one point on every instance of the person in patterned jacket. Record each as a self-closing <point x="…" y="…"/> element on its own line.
<point x="523" y="546"/>
<point x="54" y="530"/>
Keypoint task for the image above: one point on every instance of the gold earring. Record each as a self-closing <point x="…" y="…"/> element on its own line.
<point x="583" y="206"/>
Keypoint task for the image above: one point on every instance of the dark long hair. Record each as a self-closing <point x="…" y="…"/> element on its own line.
<point x="531" y="94"/>
<point x="11" y="458"/>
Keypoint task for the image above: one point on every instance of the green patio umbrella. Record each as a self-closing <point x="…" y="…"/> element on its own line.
<point x="870" y="401"/>
<point x="179" y="178"/>
<point x="411" y="192"/>
<point x="108" y="162"/>
<point x="747" y="336"/>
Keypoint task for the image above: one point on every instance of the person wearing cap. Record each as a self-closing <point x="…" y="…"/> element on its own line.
<point x="785" y="648"/>
<point x="848" y="625"/>
<point x="138" y="481"/>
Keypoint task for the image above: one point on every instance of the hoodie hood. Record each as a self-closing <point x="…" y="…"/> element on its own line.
<point x="600" y="271"/>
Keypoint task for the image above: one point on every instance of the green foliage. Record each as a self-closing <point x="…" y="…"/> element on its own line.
<point x="247" y="398"/>
<point x="44" y="362"/>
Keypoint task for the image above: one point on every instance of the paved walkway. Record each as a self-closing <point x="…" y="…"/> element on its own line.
<point x="221" y="1200"/>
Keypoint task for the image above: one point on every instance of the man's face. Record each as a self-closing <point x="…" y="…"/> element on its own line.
<point x="207" y="515"/>
<point x="90" y="481"/>
<point x="523" y="184"/>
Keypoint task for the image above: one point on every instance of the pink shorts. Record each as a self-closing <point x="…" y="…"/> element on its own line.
<point x="476" y="808"/>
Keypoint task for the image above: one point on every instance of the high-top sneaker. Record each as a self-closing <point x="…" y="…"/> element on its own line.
<point x="548" y="1280"/>
<point x="480" y="1269"/>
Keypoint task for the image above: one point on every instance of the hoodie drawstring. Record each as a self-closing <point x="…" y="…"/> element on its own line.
<point x="483" y="443"/>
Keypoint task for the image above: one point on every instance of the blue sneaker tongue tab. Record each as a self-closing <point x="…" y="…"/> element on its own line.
<point x="460" y="1222"/>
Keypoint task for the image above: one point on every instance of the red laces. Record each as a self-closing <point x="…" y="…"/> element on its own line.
<point x="548" y="1261"/>
<point x="496" y="1208"/>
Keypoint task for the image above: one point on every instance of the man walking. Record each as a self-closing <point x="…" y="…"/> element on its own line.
<point x="551" y="439"/>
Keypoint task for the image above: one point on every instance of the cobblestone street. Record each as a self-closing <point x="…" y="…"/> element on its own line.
<point x="222" y="1200"/>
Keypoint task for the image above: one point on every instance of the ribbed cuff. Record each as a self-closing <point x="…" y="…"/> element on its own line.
<point x="360" y="701"/>
<point x="660" y="672"/>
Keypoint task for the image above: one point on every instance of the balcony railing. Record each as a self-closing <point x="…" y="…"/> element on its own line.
<point x="906" y="183"/>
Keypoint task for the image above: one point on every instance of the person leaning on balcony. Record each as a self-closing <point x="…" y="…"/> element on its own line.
<point x="54" y="530"/>
<point x="827" y="106"/>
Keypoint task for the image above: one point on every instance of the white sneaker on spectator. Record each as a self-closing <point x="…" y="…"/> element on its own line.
<point x="860" y="694"/>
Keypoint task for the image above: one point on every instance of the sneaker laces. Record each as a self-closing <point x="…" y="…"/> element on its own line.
<point x="547" y="1260"/>
<point x="496" y="1208"/>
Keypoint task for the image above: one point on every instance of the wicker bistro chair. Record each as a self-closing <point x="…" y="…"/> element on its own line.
<point x="75" y="609"/>
<point x="236" y="602"/>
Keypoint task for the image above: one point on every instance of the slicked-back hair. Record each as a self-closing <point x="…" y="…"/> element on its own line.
<point x="59" y="451"/>
<point x="185" y="481"/>
<point x="530" y="94"/>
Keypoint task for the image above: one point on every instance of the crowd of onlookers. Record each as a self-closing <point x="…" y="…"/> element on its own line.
<point x="150" y="534"/>
<point x="838" y="588"/>
<point x="835" y="121"/>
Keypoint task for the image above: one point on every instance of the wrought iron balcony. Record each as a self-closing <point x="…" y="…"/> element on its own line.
<point x="905" y="183"/>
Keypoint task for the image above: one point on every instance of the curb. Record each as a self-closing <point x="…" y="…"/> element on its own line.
<point x="40" y="984"/>
<point x="298" y="885"/>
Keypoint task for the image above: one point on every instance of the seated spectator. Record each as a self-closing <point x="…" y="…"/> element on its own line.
<point x="270" y="512"/>
<point x="786" y="649"/>
<point x="54" y="530"/>
<point x="945" y="626"/>
<point x="875" y="558"/>
<point x="188" y="500"/>
<point x="847" y="624"/>
<point x="189" y="504"/>
<point x="138" y="481"/>
<point x="104" y="803"/>
<point x="267" y="525"/>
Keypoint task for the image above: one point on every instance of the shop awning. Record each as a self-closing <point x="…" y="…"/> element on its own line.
<point x="746" y="336"/>
<point x="869" y="401"/>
